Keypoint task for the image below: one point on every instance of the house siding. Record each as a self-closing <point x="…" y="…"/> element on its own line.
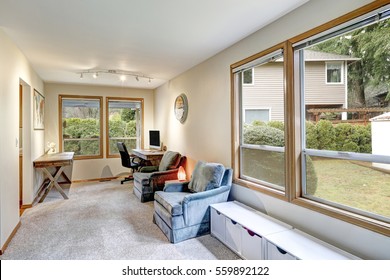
<point x="267" y="91"/>
<point x="317" y="91"/>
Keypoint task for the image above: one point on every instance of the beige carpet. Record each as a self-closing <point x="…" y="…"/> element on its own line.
<point x="101" y="221"/>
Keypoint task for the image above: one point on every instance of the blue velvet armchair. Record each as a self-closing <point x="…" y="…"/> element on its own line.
<point x="182" y="209"/>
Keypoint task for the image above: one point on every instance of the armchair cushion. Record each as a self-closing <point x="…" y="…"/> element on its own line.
<point x="170" y="160"/>
<point x="206" y="176"/>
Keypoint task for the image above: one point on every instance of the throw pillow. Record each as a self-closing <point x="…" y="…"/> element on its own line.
<point x="206" y="176"/>
<point x="169" y="160"/>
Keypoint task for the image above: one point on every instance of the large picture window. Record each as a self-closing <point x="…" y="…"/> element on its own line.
<point x="81" y="126"/>
<point x="344" y="147"/>
<point x="124" y="124"/>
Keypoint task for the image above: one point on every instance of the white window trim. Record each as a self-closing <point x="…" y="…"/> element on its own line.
<point x="341" y="72"/>
<point x="257" y="108"/>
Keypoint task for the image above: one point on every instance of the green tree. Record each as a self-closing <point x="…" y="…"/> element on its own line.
<point x="371" y="45"/>
<point x="127" y="114"/>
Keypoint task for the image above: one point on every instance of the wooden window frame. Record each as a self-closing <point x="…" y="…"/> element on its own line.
<point x="293" y="130"/>
<point x="107" y="138"/>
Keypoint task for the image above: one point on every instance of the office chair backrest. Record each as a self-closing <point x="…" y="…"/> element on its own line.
<point x="125" y="157"/>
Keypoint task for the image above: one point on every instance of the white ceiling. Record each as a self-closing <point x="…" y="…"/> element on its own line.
<point x="156" y="38"/>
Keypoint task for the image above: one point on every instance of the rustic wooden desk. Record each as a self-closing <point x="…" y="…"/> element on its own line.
<point x="59" y="161"/>
<point x="150" y="155"/>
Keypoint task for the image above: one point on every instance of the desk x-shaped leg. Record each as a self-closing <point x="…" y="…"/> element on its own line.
<point x="53" y="182"/>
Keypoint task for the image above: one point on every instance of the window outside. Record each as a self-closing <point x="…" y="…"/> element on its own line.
<point x="334" y="72"/>
<point x="252" y="115"/>
<point x="247" y="77"/>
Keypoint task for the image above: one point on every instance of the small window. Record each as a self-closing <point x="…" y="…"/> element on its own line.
<point x="334" y="72"/>
<point x="247" y="77"/>
<point x="252" y="115"/>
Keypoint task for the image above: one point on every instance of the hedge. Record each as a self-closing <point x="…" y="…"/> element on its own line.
<point x="267" y="165"/>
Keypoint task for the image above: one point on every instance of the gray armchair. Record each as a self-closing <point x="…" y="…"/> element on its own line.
<point x="182" y="209"/>
<point x="152" y="178"/>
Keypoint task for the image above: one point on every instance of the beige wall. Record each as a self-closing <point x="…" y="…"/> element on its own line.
<point x="206" y="135"/>
<point x="15" y="70"/>
<point x="94" y="168"/>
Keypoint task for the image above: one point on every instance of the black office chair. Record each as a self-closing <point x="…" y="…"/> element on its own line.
<point x="128" y="161"/>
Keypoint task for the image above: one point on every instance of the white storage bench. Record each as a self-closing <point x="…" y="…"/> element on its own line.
<point x="256" y="236"/>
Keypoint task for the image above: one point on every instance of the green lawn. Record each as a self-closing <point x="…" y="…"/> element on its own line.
<point x="353" y="185"/>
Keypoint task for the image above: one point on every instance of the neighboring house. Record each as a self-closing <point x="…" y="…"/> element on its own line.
<point x="325" y="86"/>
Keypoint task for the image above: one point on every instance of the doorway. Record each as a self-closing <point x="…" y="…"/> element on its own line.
<point x="20" y="148"/>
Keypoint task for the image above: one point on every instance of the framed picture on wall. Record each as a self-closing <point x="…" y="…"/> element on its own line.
<point x="39" y="110"/>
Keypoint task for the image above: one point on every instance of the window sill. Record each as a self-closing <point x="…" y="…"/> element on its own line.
<point x="349" y="217"/>
<point x="261" y="188"/>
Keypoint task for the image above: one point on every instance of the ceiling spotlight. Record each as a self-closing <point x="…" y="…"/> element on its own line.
<point x="121" y="74"/>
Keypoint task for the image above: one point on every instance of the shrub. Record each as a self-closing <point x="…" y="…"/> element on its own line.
<point x="276" y="124"/>
<point x="353" y="138"/>
<point x="326" y="135"/>
<point x="263" y="135"/>
<point x="266" y="165"/>
<point x="258" y="123"/>
<point x="311" y="136"/>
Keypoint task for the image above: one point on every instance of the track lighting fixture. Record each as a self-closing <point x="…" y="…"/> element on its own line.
<point x="122" y="74"/>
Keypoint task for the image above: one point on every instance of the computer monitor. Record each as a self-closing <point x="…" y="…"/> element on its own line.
<point x="154" y="140"/>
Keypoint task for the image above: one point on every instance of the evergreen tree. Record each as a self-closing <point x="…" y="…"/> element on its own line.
<point x="371" y="44"/>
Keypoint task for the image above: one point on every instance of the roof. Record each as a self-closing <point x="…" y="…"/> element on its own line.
<point x="311" y="55"/>
<point x="383" y="117"/>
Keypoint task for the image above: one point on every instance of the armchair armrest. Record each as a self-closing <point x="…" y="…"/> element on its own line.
<point x="148" y="169"/>
<point x="213" y="194"/>
<point x="176" y="186"/>
<point x="196" y="206"/>
<point x="157" y="179"/>
<point x="167" y="173"/>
